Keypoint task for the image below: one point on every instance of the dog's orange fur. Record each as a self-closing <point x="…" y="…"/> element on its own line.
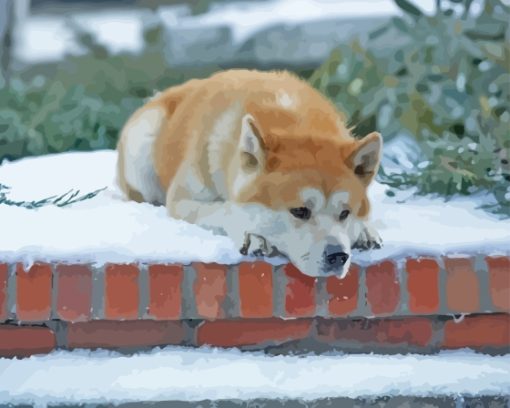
<point x="238" y="150"/>
<point x="307" y="144"/>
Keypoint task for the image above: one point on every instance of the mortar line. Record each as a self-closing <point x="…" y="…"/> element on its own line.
<point x="11" y="291"/>
<point x="188" y="304"/>
<point x="98" y="291"/>
<point x="443" y="279"/>
<point x="482" y="273"/>
<point x="234" y="291"/>
<point x="322" y="297"/>
<point x="279" y="286"/>
<point x="54" y="292"/>
<point x="143" y="291"/>
<point x="363" y="310"/>
<point x="403" y="307"/>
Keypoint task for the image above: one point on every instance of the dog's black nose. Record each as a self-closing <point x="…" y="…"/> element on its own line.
<point x="335" y="256"/>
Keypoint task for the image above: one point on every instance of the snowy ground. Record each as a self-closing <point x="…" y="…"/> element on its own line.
<point x="176" y="373"/>
<point x="109" y="229"/>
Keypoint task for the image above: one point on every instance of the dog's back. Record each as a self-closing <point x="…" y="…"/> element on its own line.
<point x="198" y="123"/>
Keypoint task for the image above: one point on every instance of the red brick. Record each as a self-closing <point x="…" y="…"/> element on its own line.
<point x="4" y="269"/>
<point x="411" y="331"/>
<point x="343" y="293"/>
<point x="423" y="285"/>
<point x="256" y="289"/>
<point x="383" y="288"/>
<point x="478" y="331"/>
<point x="462" y="291"/>
<point x="121" y="291"/>
<point x="299" y="293"/>
<point x="210" y="289"/>
<point x="165" y="291"/>
<point x="33" y="292"/>
<point x="131" y="333"/>
<point x="22" y="341"/>
<point x="499" y="281"/>
<point x="232" y="333"/>
<point x="74" y="298"/>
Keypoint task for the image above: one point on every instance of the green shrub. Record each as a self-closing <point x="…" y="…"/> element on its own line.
<point x="443" y="80"/>
<point x="85" y="100"/>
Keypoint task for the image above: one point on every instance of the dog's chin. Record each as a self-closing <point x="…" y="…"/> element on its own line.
<point x="342" y="273"/>
<point x="318" y="269"/>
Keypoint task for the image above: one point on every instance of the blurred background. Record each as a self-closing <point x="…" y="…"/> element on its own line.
<point x="432" y="76"/>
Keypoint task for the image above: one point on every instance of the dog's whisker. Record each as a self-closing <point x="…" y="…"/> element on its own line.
<point x="305" y="257"/>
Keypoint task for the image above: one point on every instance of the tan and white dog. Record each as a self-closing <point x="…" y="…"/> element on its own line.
<point x="261" y="157"/>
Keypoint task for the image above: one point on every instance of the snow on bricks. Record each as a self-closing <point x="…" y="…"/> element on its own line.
<point x="119" y="274"/>
<point x="422" y="303"/>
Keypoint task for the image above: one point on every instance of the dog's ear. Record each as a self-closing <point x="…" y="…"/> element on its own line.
<point x="366" y="156"/>
<point x="251" y="144"/>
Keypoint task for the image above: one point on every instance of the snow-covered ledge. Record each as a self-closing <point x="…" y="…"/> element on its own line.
<point x="109" y="229"/>
<point x="105" y="272"/>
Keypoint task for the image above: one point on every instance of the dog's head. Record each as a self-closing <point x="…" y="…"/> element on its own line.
<point x="312" y="185"/>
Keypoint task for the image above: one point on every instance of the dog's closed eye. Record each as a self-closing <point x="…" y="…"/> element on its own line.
<point x="303" y="213"/>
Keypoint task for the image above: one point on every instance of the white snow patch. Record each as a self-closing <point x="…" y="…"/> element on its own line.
<point x="51" y="37"/>
<point x="109" y="229"/>
<point x="247" y="18"/>
<point x="44" y="38"/>
<point x="182" y="374"/>
<point x="401" y="154"/>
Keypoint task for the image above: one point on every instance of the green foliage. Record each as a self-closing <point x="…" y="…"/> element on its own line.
<point x="445" y="81"/>
<point x="84" y="102"/>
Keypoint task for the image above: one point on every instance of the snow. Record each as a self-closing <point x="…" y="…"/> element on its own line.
<point x="262" y="15"/>
<point x="49" y="37"/>
<point x="184" y="374"/>
<point x="108" y="228"/>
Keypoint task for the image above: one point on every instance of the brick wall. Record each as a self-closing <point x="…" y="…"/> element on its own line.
<point x="417" y="304"/>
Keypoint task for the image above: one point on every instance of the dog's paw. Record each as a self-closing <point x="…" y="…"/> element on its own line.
<point x="368" y="239"/>
<point x="257" y="245"/>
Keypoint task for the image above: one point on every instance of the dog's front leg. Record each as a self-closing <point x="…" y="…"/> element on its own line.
<point x="240" y="222"/>
<point x="258" y="245"/>
<point x="367" y="236"/>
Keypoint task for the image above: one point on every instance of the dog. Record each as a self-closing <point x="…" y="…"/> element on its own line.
<point x="261" y="157"/>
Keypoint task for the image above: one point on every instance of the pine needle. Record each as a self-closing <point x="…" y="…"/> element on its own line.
<point x="68" y="198"/>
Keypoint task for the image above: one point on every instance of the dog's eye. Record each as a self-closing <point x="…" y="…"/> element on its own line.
<point x="302" y="213"/>
<point x="343" y="215"/>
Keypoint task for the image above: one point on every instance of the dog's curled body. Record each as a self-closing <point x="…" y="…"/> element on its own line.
<point x="262" y="153"/>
